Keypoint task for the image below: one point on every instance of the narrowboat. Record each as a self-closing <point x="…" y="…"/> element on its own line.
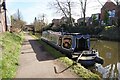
<point x="74" y="45"/>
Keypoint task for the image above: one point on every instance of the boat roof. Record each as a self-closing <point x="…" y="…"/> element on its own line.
<point x="65" y="33"/>
<point x="72" y="34"/>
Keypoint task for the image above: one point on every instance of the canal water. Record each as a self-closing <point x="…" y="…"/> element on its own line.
<point x="110" y="52"/>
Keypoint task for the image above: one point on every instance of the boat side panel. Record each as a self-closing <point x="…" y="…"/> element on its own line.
<point x="52" y="40"/>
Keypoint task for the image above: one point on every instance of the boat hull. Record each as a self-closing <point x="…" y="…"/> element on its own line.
<point x="99" y="60"/>
<point x="87" y="63"/>
<point x="91" y="62"/>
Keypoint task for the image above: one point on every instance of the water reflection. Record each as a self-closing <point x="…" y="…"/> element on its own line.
<point x="110" y="52"/>
<point x="109" y="71"/>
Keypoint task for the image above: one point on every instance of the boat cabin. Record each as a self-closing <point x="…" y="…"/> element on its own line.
<point x="69" y="41"/>
<point x="76" y="42"/>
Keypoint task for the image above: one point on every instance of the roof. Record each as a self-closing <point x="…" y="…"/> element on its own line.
<point x="72" y="34"/>
<point x="81" y="19"/>
<point x="66" y="18"/>
<point x="77" y="34"/>
<point x="96" y="14"/>
<point x="109" y="4"/>
<point x="30" y="26"/>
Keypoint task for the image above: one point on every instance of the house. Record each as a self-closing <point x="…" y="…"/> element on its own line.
<point x="108" y="12"/>
<point x="29" y="27"/>
<point x="94" y="20"/>
<point x="56" y="22"/>
<point x="80" y="21"/>
<point x="63" y="20"/>
<point x="108" y="16"/>
<point x="2" y="17"/>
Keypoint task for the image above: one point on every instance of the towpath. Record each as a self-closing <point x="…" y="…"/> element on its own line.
<point x="35" y="62"/>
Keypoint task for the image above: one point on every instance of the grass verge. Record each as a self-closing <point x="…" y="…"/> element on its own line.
<point x="78" y="69"/>
<point x="10" y="43"/>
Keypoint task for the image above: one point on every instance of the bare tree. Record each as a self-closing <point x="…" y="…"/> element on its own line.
<point x="18" y="15"/>
<point x="42" y="18"/>
<point x="39" y="22"/>
<point x="117" y="2"/>
<point x="65" y="8"/>
<point x="17" y="22"/>
<point x="59" y="6"/>
<point x="83" y="4"/>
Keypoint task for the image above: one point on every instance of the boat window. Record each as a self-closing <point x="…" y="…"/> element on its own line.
<point x="81" y="44"/>
<point x="67" y="42"/>
<point x="60" y="41"/>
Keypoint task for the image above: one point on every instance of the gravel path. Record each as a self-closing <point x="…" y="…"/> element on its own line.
<point x="35" y="62"/>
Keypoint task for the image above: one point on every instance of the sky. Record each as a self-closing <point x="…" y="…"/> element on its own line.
<point x="33" y="8"/>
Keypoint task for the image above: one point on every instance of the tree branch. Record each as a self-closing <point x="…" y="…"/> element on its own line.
<point x="61" y="8"/>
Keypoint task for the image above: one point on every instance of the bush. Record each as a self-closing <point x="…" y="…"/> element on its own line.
<point x="111" y="33"/>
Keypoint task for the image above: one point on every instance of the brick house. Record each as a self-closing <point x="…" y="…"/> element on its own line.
<point x="108" y="9"/>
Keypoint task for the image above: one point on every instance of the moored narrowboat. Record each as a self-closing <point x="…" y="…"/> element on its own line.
<point x="75" y="45"/>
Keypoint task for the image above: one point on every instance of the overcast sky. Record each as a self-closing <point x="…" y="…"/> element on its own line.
<point x="32" y="8"/>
